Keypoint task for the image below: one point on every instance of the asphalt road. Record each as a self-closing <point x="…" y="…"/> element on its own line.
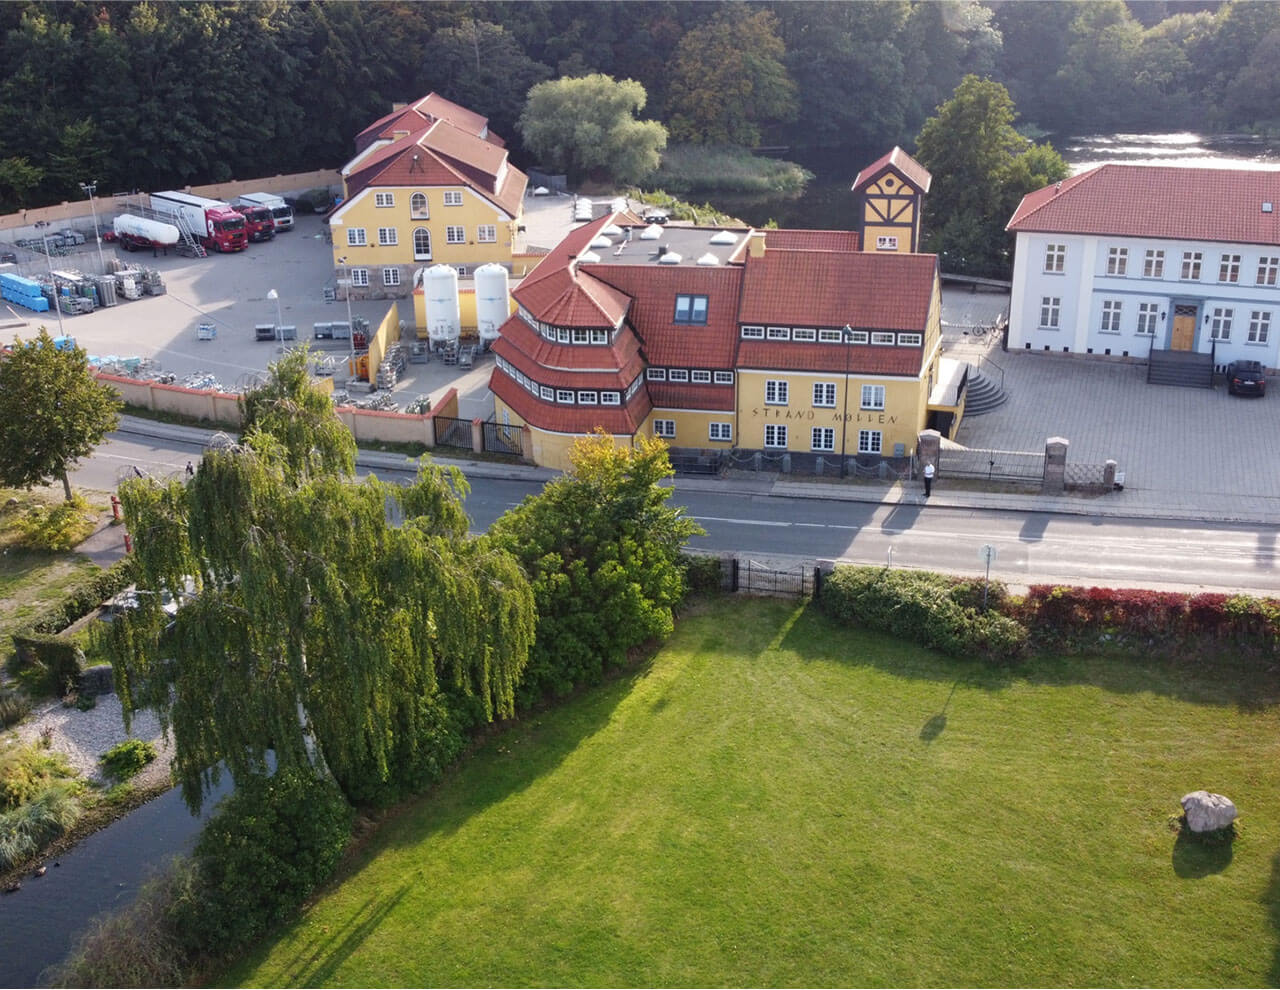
<point x="1031" y="547"/>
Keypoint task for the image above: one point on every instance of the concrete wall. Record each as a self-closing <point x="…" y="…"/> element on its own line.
<point x="79" y="210"/>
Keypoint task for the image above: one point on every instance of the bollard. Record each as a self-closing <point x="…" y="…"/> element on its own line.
<point x="128" y="543"/>
<point x="115" y="508"/>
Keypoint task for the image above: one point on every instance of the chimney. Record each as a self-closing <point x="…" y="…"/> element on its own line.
<point x="662" y="249"/>
<point x="755" y="244"/>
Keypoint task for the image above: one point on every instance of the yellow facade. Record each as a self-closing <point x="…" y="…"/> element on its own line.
<point x="693" y="427"/>
<point x="468" y="250"/>
<point x="547" y="449"/>
<point x="890" y="215"/>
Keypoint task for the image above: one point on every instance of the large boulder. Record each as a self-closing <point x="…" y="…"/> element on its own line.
<point x="1208" y="812"/>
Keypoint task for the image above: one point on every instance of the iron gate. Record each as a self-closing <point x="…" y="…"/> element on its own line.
<point x="451" y="432"/>
<point x="503" y="438"/>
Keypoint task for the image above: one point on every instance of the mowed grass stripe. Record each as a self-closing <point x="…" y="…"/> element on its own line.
<point x="775" y="800"/>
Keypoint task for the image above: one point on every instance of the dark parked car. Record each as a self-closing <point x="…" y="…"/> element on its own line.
<point x="1246" y="378"/>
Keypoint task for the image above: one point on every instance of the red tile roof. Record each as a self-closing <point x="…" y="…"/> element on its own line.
<point x="1203" y="204"/>
<point x="774" y="355"/>
<point x="414" y="116"/>
<point x="904" y="164"/>
<point x="619" y="420"/>
<point x="667" y="396"/>
<point x="811" y="240"/>
<point x="565" y="364"/>
<point x="555" y="294"/>
<point x="653" y="290"/>
<point x="819" y="289"/>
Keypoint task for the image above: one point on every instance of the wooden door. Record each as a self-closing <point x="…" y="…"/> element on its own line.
<point x="1184" y="331"/>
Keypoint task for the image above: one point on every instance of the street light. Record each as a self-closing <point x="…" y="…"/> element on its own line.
<point x="846" y="338"/>
<point x="275" y="297"/>
<point x="89" y="189"/>
<point x="351" y="327"/>
<point x="57" y="305"/>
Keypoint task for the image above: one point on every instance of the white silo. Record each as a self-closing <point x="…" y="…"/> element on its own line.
<point x="444" y="317"/>
<point x="493" y="301"/>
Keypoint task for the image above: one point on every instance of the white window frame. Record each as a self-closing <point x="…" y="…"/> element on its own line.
<point x="858" y="337"/>
<point x="1117" y="260"/>
<point x="1050" y="312"/>
<point x="752" y="333"/>
<point x="720" y="431"/>
<point x="357" y="237"/>
<point x="886" y="242"/>
<point x="1148" y="313"/>
<point x="1055" y="258"/>
<point x="1259" y="326"/>
<point x="700" y="377"/>
<point x="822" y="439"/>
<point x="830" y="336"/>
<point x="870" y="442"/>
<point x="610" y="398"/>
<point x="1192" y="262"/>
<point x="390" y="277"/>
<point x="360" y="278"/>
<point x="599" y="336"/>
<point x="455" y="234"/>
<point x="664" y="428"/>
<point x="452" y="197"/>
<point x="580" y="336"/>
<point x="724" y="377"/>
<point x="1268" y="269"/>
<point x="775" y="436"/>
<point x="656" y="374"/>
<point x="882" y="339"/>
<point x="547" y="392"/>
<point x="588" y="397"/>
<point x="1153" y="264"/>
<point x="382" y="200"/>
<point x="910" y="339"/>
<point x="562" y="335"/>
<point x="678" y="375"/>
<point x="388" y="237"/>
<point x="1220" y="323"/>
<point x="421" y="234"/>
<point x="804" y="333"/>
<point x="1111" y="312"/>
<point x="486" y="233"/>
<point x="872" y="397"/>
<point x="419" y="207"/>
<point x="1229" y="269"/>
<point x="778" y="388"/>
<point x="779" y="333"/>
<point x="564" y="396"/>
<point x="824" y="395"/>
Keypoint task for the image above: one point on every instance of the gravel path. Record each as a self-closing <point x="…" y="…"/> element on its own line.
<point x="85" y="736"/>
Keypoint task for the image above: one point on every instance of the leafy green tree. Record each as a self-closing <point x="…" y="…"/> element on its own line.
<point x="981" y="168"/>
<point x="1097" y="81"/>
<point x="728" y="79"/>
<point x="320" y="629"/>
<point x="19" y="177"/>
<point x="602" y="549"/>
<point x="588" y="125"/>
<point x="52" y="412"/>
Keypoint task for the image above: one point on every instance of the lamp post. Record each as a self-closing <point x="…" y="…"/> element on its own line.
<point x="351" y="327"/>
<point x="89" y="189"/>
<point x="275" y="297"/>
<point x="846" y="338"/>
<point x="57" y="303"/>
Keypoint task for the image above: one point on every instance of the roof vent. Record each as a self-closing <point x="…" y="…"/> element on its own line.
<point x="1058" y="187"/>
<point x="724" y="237"/>
<point x="613" y="230"/>
<point x="662" y="249"/>
<point x="1266" y="207"/>
<point x="588" y="258"/>
<point x="601" y="242"/>
<point x="708" y="259"/>
<point x="670" y="258"/>
<point x="651" y="232"/>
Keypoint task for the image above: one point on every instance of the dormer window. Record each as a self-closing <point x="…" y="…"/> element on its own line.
<point x="691" y="309"/>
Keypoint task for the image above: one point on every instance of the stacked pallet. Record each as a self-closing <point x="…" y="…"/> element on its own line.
<point x="23" y="292"/>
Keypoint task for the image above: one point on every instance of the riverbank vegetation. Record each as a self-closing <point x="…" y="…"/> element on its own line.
<point x="703" y="169"/>
<point x="778" y="798"/>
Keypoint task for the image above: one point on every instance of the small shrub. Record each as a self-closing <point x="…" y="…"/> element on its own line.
<point x="269" y="845"/>
<point x="30" y="827"/>
<point x="14" y="706"/>
<point x="702" y="573"/>
<point x="126" y="759"/>
<point x="26" y="770"/>
<point x="56" y="662"/>
<point x="59" y="527"/>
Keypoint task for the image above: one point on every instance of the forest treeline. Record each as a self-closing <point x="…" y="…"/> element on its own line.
<point x="148" y="95"/>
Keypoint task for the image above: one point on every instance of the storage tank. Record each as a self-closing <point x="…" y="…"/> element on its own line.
<point x="155" y="231"/>
<point x="493" y="301"/>
<point x="440" y="293"/>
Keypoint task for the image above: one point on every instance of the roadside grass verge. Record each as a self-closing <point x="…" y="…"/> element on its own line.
<point x="776" y="800"/>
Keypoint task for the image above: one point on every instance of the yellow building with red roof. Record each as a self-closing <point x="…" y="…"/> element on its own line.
<point x="429" y="184"/>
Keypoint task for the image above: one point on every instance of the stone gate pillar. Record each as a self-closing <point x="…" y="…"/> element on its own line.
<point x="1055" y="466"/>
<point x="929" y="448"/>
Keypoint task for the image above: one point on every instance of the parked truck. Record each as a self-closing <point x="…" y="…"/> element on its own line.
<point x="281" y="212"/>
<point x="217" y="224"/>
<point x="133" y="232"/>
<point x="258" y="221"/>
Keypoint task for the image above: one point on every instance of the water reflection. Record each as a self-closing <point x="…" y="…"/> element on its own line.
<point x="1182" y="149"/>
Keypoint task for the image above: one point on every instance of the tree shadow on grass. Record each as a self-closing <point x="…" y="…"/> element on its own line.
<point x="1195" y="858"/>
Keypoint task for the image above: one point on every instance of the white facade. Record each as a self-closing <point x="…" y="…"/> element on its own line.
<point x="1120" y="296"/>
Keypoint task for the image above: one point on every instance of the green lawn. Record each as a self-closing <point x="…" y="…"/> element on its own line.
<point x="778" y="801"/>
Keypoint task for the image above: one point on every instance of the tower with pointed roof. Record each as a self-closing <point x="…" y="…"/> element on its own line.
<point x="890" y="195"/>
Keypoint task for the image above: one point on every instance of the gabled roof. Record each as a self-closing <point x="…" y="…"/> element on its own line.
<point x="555" y="294"/>
<point x="821" y="289"/>
<point x="811" y="240"/>
<point x="423" y="112"/>
<point x="439" y="154"/>
<point x="1158" y="201"/>
<point x="902" y="163"/>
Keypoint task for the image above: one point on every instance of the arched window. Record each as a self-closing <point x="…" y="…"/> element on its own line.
<point x="418" y="206"/>
<point x="421" y="244"/>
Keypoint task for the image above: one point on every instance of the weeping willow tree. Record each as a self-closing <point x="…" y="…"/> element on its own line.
<point x="342" y="624"/>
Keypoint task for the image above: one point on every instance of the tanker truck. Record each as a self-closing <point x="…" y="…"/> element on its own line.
<point x="134" y="232"/>
<point x="218" y="226"/>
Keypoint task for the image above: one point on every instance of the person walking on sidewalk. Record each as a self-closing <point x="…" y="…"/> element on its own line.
<point x="928" y="479"/>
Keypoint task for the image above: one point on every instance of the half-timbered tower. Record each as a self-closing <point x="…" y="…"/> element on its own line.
<point x="891" y="192"/>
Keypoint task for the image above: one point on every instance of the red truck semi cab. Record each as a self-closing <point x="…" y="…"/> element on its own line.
<point x="259" y="224"/>
<point x="217" y="224"/>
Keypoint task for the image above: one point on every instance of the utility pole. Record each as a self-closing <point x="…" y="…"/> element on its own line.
<point x="89" y="189"/>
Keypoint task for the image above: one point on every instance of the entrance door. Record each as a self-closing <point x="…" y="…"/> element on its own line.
<point x="1184" y="328"/>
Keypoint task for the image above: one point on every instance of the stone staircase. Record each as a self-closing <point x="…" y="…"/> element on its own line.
<point x="983" y="393"/>
<point x="1186" y="368"/>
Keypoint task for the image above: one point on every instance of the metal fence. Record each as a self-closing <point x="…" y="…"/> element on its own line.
<point x="991" y="465"/>
<point x="759" y="579"/>
<point x="503" y="439"/>
<point x="451" y="432"/>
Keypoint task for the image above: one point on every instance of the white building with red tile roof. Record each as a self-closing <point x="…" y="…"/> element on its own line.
<point x="1124" y="260"/>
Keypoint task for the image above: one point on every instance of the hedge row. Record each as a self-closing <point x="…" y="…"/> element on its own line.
<point x="83" y="597"/>
<point x="931" y="609"/>
<point x="62" y="660"/>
